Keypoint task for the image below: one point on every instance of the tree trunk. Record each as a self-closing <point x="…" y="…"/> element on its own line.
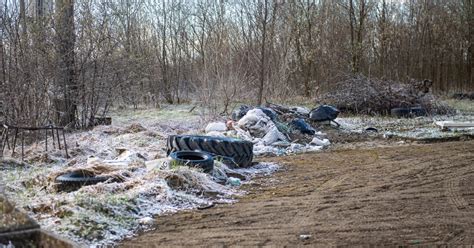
<point x="65" y="49"/>
<point x="262" y="52"/>
<point x="470" y="50"/>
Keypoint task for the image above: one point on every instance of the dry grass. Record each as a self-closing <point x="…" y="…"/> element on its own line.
<point x="464" y="106"/>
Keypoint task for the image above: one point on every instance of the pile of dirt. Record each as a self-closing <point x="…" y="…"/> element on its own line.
<point x="361" y="95"/>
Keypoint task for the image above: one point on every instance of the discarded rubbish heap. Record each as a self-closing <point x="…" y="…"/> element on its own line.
<point x="275" y="129"/>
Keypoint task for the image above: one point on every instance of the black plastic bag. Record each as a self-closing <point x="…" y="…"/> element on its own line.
<point x="302" y="126"/>
<point x="324" y="113"/>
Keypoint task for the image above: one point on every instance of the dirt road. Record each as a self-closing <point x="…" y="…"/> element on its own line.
<point x="420" y="194"/>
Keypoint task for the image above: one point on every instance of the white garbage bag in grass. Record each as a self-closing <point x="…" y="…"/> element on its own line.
<point x="320" y="142"/>
<point x="216" y="127"/>
<point x="256" y="122"/>
<point x="272" y="136"/>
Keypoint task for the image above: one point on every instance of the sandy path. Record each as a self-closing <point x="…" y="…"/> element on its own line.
<point x="420" y="194"/>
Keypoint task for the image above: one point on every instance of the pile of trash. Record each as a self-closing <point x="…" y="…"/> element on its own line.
<point x="361" y="95"/>
<point x="276" y="130"/>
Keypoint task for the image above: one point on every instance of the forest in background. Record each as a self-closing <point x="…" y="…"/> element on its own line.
<point x="70" y="61"/>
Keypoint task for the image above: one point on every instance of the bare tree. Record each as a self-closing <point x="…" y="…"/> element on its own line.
<point x="66" y="55"/>
<point x="83" y="57"/>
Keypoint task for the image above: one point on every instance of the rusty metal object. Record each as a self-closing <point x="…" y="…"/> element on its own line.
<point x="20" y="130"/>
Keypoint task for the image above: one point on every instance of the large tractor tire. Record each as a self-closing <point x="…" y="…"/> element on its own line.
<point x="240" y="152"/>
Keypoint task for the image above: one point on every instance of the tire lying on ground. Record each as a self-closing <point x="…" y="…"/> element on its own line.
<point x="197" y="159"/>
<point x="72" y="181"/>
<point x="239" y="151"/>
<point x="80" y="178"/>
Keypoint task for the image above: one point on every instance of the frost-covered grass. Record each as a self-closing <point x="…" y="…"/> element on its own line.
<point x="108" y="212"/>
<point x="164" y="114"/>
<point x="416" y="128"/>
<point x="463" y="106"/>
<point x="105" y="213"/>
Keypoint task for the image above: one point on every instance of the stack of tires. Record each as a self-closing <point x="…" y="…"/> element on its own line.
<point x="235" y="152"/>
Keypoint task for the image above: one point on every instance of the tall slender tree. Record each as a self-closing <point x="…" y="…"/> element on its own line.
<point x="66" y="80"/>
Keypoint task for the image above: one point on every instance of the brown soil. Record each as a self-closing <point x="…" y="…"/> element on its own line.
<point x="417" y="194"/>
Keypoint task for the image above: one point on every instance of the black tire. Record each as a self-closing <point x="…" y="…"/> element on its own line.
<point x="79" y="178"/>
<point x="239" y="151"/>
<point x="400" y="112"/>
<point x="371" y="129"/>
<point x="198" y="159"/>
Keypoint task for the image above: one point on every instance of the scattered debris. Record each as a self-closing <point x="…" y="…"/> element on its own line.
<point x="240" y="112"/>
<point x="158" y="164"/>
<point x="305" y="236"/>
<point x="233" y="181"/>
<point x="146" y="221"/>
<point x="318" y="142"/>
<point x="278" y="130"/>
<point x="144" y="182"/>
<point x="446" y="125"/>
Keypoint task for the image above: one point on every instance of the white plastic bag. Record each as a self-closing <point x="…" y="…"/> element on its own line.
<point x="216" y="127"/>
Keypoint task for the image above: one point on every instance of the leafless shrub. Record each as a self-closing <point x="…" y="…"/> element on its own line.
<point x="363" y="95"/>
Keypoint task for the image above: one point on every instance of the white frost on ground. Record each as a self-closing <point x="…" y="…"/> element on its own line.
<point x="105" y="213"/>
<point x="415" y="128"/>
